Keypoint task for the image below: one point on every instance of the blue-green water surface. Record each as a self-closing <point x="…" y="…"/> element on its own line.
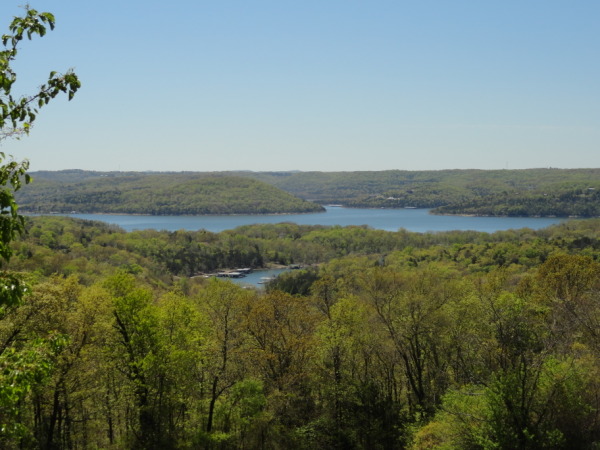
<point x="418" y="220"/>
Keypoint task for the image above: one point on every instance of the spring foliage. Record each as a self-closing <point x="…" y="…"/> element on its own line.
<point x="395" y="340"/>
<point x="24" y="364"/>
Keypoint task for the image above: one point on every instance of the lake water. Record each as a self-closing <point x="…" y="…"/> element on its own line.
<point x="418" y="220"/>
<point x="258" y="278"/>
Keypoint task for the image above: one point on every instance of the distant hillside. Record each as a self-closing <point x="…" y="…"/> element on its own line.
<point x="155" y="194"/>
<point x="530" y="192"/>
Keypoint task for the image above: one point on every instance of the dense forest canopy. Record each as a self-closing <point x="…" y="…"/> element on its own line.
<point x="165" y="194"/>
<point x="384" y="340"/>
<point x="531" y="192"/>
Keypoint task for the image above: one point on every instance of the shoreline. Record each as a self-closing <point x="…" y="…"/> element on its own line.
<point x="324" y="210"/>
<point x="283" y="214"/>
<point x="73" y="213"/>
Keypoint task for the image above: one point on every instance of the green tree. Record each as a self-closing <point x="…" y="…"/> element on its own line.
<point x="23" y="364"/>
<point x="412" y="308"/>
<point x="17" y="114"/>
<point x="281" y="344"/>
<point x="138" y="351"/>
<point x="221" y="302"/>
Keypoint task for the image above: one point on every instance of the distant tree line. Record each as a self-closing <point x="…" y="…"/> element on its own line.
<point x="58" y="244"/>
<point x="531" y="192"/>
<point x="561" y="203"/>
<point x="161" y="195"/>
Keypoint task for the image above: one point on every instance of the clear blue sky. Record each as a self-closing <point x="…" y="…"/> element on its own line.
<point x="316" y="85"/>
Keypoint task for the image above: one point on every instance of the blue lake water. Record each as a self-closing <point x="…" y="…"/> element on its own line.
<point x="418" y="220"/>
<point x="258" y="277"/>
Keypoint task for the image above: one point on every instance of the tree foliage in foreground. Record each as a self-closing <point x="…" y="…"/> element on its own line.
<point x="395" y="340"/>
<point x="24" y="363"/>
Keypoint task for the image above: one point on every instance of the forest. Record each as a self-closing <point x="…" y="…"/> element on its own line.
<point x="385" y="340"/>
<point x="530" y="192"/>
<point x="172" y="194"/>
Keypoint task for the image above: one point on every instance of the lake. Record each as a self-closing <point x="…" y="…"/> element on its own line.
<point x="258" y="278"/>
<point x="418" y="220"/>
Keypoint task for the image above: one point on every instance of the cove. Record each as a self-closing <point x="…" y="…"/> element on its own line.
<point x="418" y="220"/>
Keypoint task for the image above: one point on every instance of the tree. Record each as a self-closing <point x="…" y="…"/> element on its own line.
<point x="281" y="344"/>
<point x="138" y="352"/>
<point x="221" y="302"/>
<point x="17" y="114"/>
<point x="413" y="309"/>
<point x="25" y="364"/>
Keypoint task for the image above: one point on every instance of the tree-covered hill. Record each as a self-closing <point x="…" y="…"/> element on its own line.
<point x="530" y="192"/>
<point x="156" y="194"/>
<point x="543" y="192"/>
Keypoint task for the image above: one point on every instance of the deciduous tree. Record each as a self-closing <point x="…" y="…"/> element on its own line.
<point x="23" y="365"/>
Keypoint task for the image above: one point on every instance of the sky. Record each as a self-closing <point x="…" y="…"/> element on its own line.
<point x="327" y="85"/>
